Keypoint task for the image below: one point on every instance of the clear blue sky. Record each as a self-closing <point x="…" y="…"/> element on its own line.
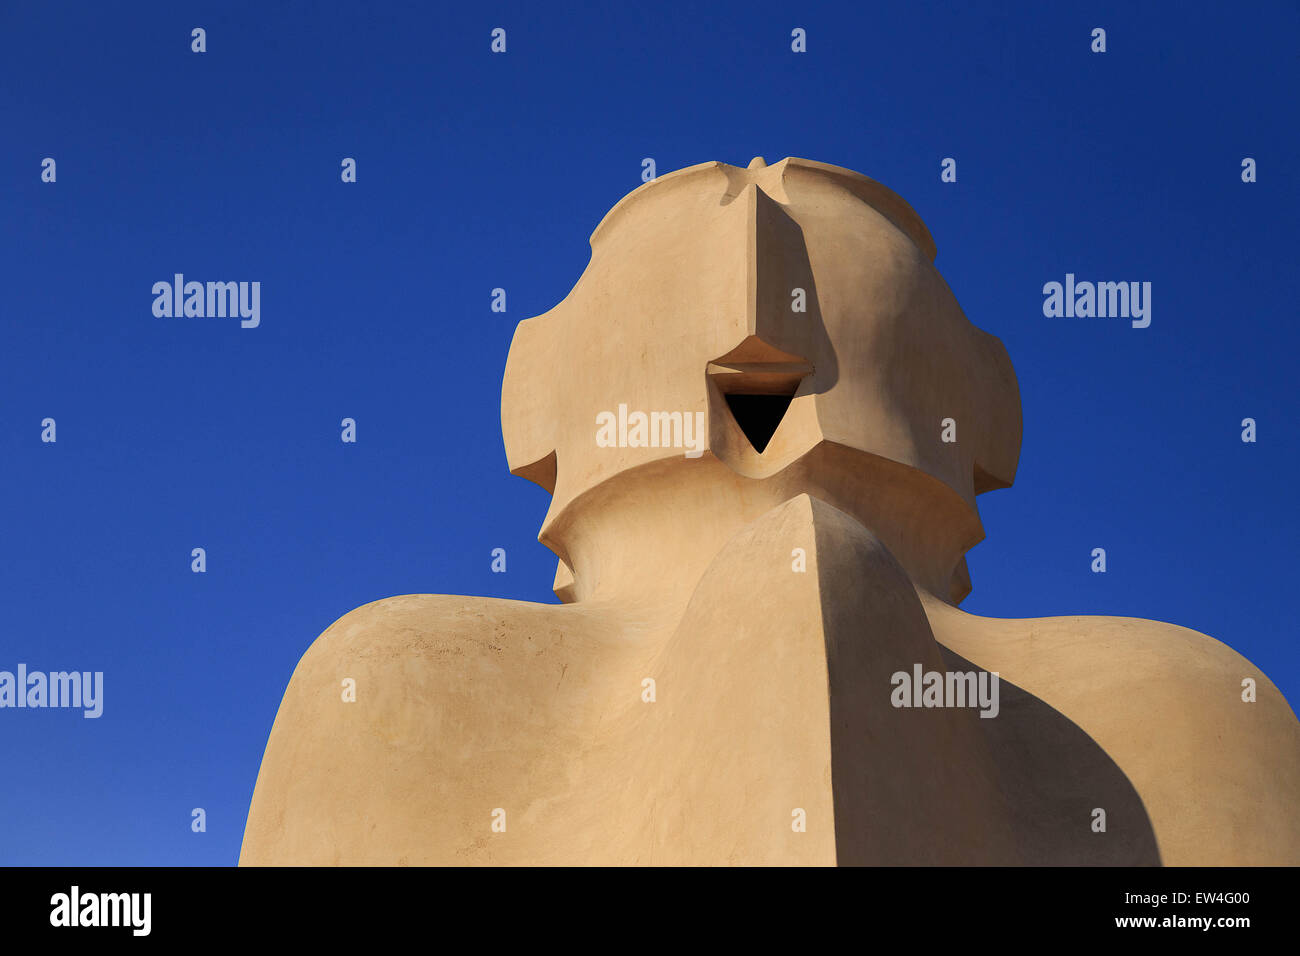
<point x="477" y="171"/>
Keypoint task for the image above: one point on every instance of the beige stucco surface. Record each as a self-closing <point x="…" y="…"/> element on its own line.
<point x="769" y="597"/>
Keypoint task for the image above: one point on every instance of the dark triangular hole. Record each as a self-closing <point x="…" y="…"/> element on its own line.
<point x="758" y="416"/>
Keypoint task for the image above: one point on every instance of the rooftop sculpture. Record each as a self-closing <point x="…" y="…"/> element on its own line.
<point x="764" y="422"/>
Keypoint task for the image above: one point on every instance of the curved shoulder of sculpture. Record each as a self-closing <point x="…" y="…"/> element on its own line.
<point x="1135" y="649"/>
<point x="394" y="709"/>
<point x="399" y="644"/>
<point x="1209" y="743"/>
<point x="415" y="617"/>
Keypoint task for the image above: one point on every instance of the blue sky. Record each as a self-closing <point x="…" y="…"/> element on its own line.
<point x="478" y="171"/>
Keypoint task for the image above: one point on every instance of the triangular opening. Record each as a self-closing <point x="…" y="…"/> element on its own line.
<point x="758" y="415"/>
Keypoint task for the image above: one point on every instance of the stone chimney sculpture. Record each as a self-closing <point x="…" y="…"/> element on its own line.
<point x="764" y="421"/>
